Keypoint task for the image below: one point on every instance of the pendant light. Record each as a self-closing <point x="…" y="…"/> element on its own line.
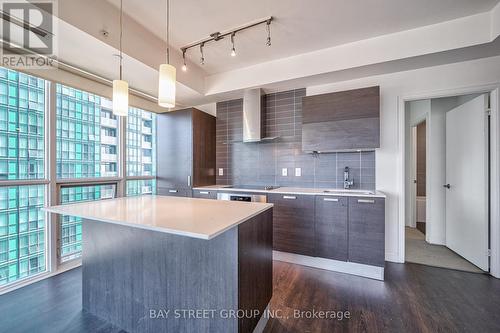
<point x="120" y="87"/>
<point x="166" y="82"/>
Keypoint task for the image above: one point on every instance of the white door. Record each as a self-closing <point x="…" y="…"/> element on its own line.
<point x="467" y="176"/>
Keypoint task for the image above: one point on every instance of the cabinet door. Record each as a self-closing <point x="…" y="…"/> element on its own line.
<point x="331" y="227"/>
<point x="367" y="230"/>
<point x="293" y="223"/>
<point x="174" y="192"/>
<point x="175" y="152"/>
<point x="205" y="194"/>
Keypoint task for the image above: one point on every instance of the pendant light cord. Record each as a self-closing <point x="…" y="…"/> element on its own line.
<point x="121" y="37"/>
<point x="168" y="31"/>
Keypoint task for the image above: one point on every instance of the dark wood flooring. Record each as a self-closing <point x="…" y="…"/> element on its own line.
<point x="414" y="298"/>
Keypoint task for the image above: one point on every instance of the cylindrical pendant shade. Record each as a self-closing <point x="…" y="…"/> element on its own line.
<point x="120" y="98"/>
<point x="166" y="86"/>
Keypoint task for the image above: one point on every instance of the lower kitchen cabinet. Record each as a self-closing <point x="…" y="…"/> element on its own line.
<point x="331" y="222"/>
<point x="367" y="230"/>
<point x="205" y="194"/>
<point x="174" y="192"/>
<point x="293" y="223"/>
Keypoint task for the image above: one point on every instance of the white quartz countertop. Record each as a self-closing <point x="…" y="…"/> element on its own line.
<point x="299" y="191"/>
<point x="197" y="218"/>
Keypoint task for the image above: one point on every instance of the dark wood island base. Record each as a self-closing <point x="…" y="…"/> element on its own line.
<point x="148" y="281"/>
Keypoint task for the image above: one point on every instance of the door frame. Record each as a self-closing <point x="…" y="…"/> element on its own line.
<point x="494" y="91"/>
<point x="413" y="167"/>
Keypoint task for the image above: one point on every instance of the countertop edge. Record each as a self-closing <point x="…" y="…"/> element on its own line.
<point x="377" y="194"/>
<point x="160" y="229"/>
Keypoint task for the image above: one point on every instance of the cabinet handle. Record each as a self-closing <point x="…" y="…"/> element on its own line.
<point x="289" y="197"/>
<point x="204" y="192"/>
<point x="172" y="191"/>
<point x="331" y="199"/>
<point x="370" y="201"/>
<point x="189" y="180"/>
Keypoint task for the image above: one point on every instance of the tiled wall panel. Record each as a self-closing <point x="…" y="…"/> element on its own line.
<point x="262" y="163"/>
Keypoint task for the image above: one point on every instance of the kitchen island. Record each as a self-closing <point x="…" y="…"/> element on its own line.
<point x="171" y="264"/>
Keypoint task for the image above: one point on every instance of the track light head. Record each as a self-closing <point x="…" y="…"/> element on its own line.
<point x="233" y="50"/>
<point x="268" y="29"/>
<point x="184" y="66"/>
<point x="202" y="59"/>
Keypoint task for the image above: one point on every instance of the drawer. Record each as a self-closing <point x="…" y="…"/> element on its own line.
<point x="174" y="192"/>
<point x="205" y="194"/>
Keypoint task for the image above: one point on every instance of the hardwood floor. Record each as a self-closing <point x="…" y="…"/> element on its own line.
<point x="414" y="298"/>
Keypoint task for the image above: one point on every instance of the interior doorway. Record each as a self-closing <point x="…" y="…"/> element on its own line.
<point x="447" y="198"/>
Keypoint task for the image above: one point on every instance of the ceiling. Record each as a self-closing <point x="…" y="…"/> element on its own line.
<point x="300" y="26"/>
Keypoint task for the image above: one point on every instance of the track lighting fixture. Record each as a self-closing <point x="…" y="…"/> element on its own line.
<point x="217" y="36"/>
<point x="233" y="50"/>
<point x="184" y="66"/>
<point x="202" y="60"/>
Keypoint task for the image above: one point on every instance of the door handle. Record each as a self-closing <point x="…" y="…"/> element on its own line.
<point x="289" y="197"/>
<point x="447" y="186"/>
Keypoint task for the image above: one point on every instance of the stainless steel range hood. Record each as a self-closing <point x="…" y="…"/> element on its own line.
<point x="254" y="117"/>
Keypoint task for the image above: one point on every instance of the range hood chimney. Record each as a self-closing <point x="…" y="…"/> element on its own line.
<point x="253" y="116"/>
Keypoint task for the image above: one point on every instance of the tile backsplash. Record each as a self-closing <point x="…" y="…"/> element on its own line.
<point x="262" y="163"/>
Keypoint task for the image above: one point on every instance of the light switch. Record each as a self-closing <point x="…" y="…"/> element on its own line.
<point x="284" y="172"/>
<point x="221" y="172"/>
<point x="298" y="172"/>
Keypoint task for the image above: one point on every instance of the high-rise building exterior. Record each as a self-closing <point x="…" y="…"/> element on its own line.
<point x="87" y="135"/>
<point x="22" y="156"/>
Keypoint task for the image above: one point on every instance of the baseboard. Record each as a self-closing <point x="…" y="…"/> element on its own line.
<point x="372" y="272"/>
<point x="393" y="257"/>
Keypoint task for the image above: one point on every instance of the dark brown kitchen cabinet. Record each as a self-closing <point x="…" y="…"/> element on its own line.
<point x="346" y="120"/>
<point x="293" y="223"/>
<point x="185" y="150"/>
<point x="331" y="222"/>
<point x="205" y="194"/>
<point x="367" y="230"/>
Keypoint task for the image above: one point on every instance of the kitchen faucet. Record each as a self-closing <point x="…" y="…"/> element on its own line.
<point x="347" y="183"/>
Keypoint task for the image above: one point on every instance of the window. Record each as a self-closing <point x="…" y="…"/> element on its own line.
<point x="22" y="232"/>
<point x="22" y="119"/>
<point x="71" y="227"/>
<point x="88" y="138"/>
<point x="141" y="143"/>
<point x="141" y="186"/>
<point x="22" y="158"/>
<point x="85" y="125"/>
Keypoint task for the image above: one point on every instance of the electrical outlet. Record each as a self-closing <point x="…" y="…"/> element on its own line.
<point x="221" y="172"/>
<point x="284" y="172"/>
<point x="298" y="172"/>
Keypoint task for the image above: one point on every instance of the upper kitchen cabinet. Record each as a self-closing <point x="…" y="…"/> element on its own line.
<point x="186" y="151"/>
<point x="341" y="121"/>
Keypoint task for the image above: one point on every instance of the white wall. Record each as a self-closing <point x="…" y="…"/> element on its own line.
<point x="407" y="85"/>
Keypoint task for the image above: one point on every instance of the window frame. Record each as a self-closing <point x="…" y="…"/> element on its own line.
<point x="53" y="186"/>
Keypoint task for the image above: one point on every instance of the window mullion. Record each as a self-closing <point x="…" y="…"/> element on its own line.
<point x="50" y="165"/>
